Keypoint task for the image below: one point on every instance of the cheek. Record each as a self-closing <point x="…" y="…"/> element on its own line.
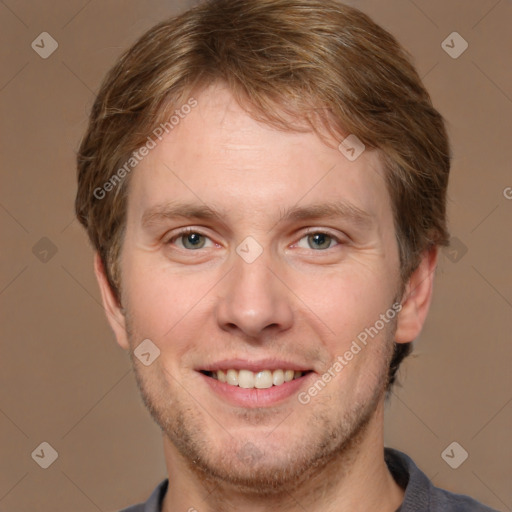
<point x="161" y="305"/>
<point x="348" y="302"/>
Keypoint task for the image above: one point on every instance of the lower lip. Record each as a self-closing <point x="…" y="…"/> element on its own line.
<point x="242" y="397"/>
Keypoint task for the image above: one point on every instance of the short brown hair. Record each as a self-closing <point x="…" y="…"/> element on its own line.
<point x="319" y="61"/>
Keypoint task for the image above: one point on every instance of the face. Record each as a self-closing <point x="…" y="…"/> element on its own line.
<point x="254" y="256"/>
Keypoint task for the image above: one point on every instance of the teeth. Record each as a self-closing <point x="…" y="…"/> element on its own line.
<point x="245" y="379"/>
<point x="260" y="380"/>
<point x="263" y="380"/>
<point x="278" y="377"/>
<point x="232" y="377"/>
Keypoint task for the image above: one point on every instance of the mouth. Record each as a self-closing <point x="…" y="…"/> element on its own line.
<point x="255" y="384"/>
<point x="247" y="379"/>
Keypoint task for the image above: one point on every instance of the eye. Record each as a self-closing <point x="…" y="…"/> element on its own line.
<point x="190" y="240"/>
<point x="317" y="241"/>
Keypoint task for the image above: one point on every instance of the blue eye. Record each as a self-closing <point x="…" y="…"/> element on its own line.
<point x="191" y="240"/>
<point x="318" y="241"/>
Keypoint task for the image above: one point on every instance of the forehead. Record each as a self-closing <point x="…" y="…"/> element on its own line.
<point x="217" y="155"/>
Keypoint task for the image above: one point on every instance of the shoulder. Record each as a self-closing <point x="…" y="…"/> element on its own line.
<point x="134" y="508"/>
<point x="421" y="494"/>
<point x="447" y="501"/>
<point x="154" y="502"/>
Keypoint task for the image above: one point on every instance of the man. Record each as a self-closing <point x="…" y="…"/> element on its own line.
<point x="264" y="183"/>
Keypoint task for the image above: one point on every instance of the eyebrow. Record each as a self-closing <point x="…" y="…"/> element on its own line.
<point x="174" y="210"/>
<point x="328" y="210"/>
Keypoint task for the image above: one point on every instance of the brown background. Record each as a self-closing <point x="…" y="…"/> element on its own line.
<point x="63" y="379"/>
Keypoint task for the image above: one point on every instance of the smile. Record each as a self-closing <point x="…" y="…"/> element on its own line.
<point x="264" y="382"/>
<point x="248" y="379"/>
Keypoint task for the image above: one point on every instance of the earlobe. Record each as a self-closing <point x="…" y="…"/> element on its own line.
<point x="416" y="299"/>
<point x="113" y="309"/>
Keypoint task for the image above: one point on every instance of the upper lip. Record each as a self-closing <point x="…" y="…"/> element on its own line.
<point x="254" y="365"/>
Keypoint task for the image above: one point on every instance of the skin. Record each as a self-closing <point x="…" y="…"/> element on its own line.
<point x="295" y="302"/>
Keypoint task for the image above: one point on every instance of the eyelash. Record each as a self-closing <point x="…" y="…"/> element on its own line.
<point x="189" y="230"/>
<point x="182" y="233"/>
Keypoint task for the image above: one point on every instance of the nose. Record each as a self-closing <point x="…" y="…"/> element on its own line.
<point x="254" y="302"/>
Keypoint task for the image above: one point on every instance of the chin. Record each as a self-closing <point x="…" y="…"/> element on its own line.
<point x="266" y="464"/>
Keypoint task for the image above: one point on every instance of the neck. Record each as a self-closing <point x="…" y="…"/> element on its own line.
<point x="357" y="478"/>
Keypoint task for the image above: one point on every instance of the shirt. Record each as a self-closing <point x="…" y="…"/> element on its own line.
<point x="420" y="494"/>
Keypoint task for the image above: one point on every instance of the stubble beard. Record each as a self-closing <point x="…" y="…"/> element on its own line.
<point x="239" y="464"/>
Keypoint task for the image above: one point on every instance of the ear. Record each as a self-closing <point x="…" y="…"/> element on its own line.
<point x="113" y="309"/>
<point x="416" y="298"/>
